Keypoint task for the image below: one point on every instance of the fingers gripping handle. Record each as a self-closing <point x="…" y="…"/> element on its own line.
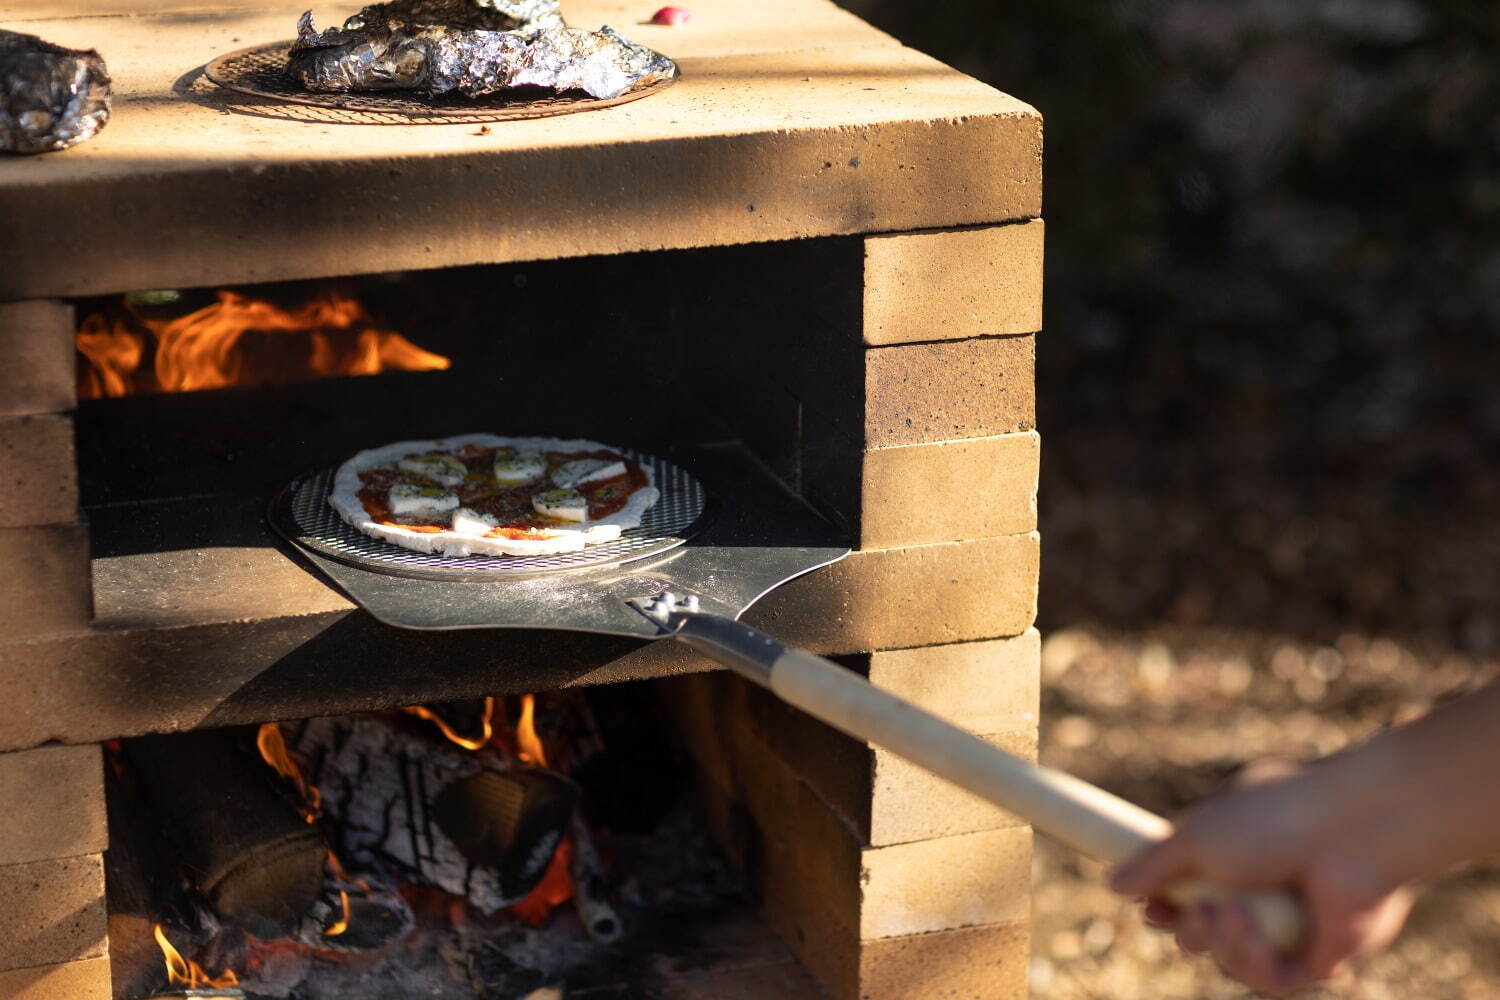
<point x="1081" y="815"/>
<point x="1278" y="914"/>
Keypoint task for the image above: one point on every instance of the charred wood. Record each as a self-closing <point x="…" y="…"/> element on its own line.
<point x="508" y="821"/>
<point x="473" y="823"/>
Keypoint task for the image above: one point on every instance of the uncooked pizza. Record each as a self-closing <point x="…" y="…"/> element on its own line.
<point x="479" y="494"/>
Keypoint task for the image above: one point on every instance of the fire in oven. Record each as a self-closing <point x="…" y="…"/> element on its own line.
<point x="514" y="847"/>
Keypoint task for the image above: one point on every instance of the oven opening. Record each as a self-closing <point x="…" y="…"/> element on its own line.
<point x="539" y="846"/>
<point x="198" y="391"/>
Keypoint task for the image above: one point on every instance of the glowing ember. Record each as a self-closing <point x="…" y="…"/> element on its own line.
<point x="555" y="888"/>
<point x="527" y="740"/>
<point x="182" y="972"/>
<point x="487" y="726"/>
<point x="241" y="341"/>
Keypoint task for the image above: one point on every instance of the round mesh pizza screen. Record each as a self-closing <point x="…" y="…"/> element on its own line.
<point x="260" y="71"/>
<point x="667" y="524"/>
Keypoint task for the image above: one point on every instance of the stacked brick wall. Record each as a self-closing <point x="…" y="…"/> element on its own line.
<point x="913" y="427"/>
<point x="53" y="944"/>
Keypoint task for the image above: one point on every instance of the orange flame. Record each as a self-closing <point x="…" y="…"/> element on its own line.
<point x="486" y="727"/>
<point x="113" y="353"/>
<point x="343" y="876"/>
<point x="555" y="888"/>
<point x="208" y="349"/>
<point x="272" y="748"/>
<point x="340" y="925"/>
<point x="188" y="973"/>
<point x="527" y="740"/>
<point x="556" y="885"/>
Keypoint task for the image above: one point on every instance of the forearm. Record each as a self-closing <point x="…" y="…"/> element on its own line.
<point x="1423" y="797"/>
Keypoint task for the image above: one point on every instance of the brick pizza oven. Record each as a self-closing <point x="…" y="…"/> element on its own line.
<point x="814" y="262"/>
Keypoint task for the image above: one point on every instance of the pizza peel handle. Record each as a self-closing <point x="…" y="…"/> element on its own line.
<point x="1081" y="815"/>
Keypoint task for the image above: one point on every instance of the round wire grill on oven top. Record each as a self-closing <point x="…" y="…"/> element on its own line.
<point x="316" y="526"/>
<point x="260" y="71"/>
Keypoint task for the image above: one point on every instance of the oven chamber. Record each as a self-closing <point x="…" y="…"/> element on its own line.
<point x="877" y="366"/>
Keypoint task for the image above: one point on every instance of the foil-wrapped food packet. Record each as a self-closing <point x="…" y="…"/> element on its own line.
<point x="472" y="47"/>
<point x="480" y="15"/>
<point x="50" y="97"/>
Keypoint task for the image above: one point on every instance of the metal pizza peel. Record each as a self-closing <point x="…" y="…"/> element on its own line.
<point x="693" y="567"/>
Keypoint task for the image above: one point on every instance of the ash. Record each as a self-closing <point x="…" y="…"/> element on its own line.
<point x="682" y="904"/>
<point x="457" y="964"/>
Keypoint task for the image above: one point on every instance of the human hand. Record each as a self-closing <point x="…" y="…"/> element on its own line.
<point x="1282" y="829"/>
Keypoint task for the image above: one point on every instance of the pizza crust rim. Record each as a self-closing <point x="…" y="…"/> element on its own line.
<point x="344" y="498"/>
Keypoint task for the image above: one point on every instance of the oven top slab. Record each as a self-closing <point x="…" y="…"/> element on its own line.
<point x="792" y="119"/>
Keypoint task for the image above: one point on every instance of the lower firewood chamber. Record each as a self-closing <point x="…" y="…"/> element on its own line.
<point x="524" y="847"/>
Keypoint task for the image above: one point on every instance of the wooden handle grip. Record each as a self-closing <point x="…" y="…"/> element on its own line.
<point x="1081" y="815"/>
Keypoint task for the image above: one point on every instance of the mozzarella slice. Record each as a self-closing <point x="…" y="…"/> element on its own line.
<point x="438" y="467"/>
<point x="406" y="498"/>
<point x="565" y="505"/>
<point x="585" y="470"/>
<point x="473" y="522"/>
<point x="518" y="470"/>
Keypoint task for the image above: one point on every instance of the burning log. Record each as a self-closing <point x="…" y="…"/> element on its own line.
<point x="241" y="843"/>
<point x="474" y="823"/>
<point x="506" y="821"/>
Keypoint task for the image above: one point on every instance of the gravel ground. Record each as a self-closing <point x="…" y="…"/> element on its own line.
<point x="1164" y="718"/>
<point x="1266" y="389"/>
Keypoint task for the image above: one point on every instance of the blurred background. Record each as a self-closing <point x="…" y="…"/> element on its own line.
<point x="1270" y="404"/>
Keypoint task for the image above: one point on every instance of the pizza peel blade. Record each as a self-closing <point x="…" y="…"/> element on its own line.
<point x="730" y="556"/>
